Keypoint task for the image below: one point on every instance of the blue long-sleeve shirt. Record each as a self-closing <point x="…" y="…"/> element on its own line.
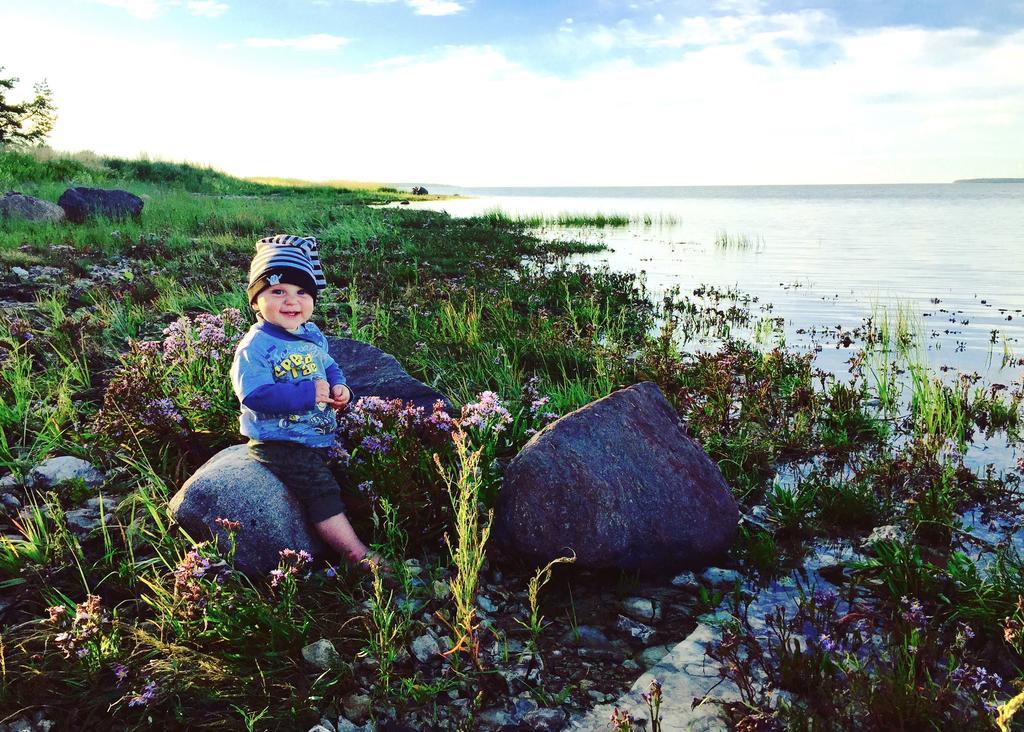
<point x="273" y="377"/>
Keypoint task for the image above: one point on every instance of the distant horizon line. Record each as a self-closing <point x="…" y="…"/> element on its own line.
<point x="702" y="185"/>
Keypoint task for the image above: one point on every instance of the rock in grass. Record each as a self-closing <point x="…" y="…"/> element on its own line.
<point x="721" y="578"/>
<point x="357" y="708"/>
<point x="234" y="486"/>
<point x="84" y="521"/>
<point x="545" y="720"/>
<point x="426" y="648"/>
<point x="634" y="629"/>
<point x="621" y="485"/>
<point x="14" y="205"/>
<point x="372" y="372"/>
<point x="642" y="609"/>
<point x="80" y="204"/>
<point x="65" y="469"/>
<point x="321" y="655"/>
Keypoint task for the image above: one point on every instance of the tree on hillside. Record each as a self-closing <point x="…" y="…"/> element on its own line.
<point x="28" y="122"/>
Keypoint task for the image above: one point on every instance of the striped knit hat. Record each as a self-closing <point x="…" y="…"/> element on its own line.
<point x="294" y="260"/>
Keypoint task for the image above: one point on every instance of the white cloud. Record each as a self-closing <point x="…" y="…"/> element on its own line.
<point x="207" y="8"/>
<point x="435" y="7"/>
<point x="423" y="7"/>
<point x="897" y="105"/>
<point x="142" y="9"/>
<point x="315" y="42"/>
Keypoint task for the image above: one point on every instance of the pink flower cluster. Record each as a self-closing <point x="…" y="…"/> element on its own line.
<point x="485" y="415"/>
<point x="79" y="631"/>
<point x="291" y="564"/>
<point x="191" y="593"/>
<point x="374" y="425"/>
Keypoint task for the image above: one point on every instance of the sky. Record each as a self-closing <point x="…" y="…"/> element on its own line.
<point x="536" y="92"/>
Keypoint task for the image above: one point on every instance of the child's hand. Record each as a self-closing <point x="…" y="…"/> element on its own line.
<point x="323" y="391"/>
<point x="342" y="396"/>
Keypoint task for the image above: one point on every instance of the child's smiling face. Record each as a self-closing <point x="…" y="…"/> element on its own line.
<point x="284" y="305"/>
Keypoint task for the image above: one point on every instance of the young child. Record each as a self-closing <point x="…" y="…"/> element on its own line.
<point x="289" y="386"/>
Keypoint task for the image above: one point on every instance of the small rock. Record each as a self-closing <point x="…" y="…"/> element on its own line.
<point x="9" y="504"/>
<point x="587" y="636"/>
<point x="345" y="725"/>
<point x="357" y="708"/>
<point x="634" y="629"/>
<point x="524" y="705"/>
<point x="491" y="720"/>
<point x="545" y="720"/>
<point x="22" y="274"/>
<point x="8" y="482"/>
<point x="327" y="724"/>
<point x="640" y="608"/>
<point x="321" y="728"/>
<point x="322" y="655"/>
<point x="109" y="504"/>
<point x="55" y="471"/>
<point x="630" y="665"/>
<point x="20" y="725"/>
<point x="426" y="648"/>
<point x="596" y="695"/>
<point x="83" y="521"/>
<point x="686" y="581"/>
<point x="486" y="604"/>
<point x="442" y="591"/>
<point x="717" y="577"/>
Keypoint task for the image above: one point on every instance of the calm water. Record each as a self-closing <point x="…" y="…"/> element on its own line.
<point x="823" y="256"/>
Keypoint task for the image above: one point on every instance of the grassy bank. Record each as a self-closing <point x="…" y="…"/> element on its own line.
<point x="114" y="344"/>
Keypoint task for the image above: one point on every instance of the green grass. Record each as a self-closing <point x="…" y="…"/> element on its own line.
<point x="570" y="219"/>
<point x="724" y="241"/>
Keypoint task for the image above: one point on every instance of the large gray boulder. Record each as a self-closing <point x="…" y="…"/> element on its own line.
<point x="619" y="483"/>
<point x="14" y="205"/>
<point x="83" y="203"/>
<point x="232" y="485"/>
<point x="372" y="372"/>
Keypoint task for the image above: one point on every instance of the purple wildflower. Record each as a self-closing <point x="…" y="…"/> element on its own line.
<point x="828" y="645"/>
<point x="377" y="445"/>
<point x="976" y="677"/>
<point x="145" y="697"/>
<point x="120" y="672"/>
<point x="825" y="598"/>
<point x="165" y="410"/>
<point x="913" y="613"/>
